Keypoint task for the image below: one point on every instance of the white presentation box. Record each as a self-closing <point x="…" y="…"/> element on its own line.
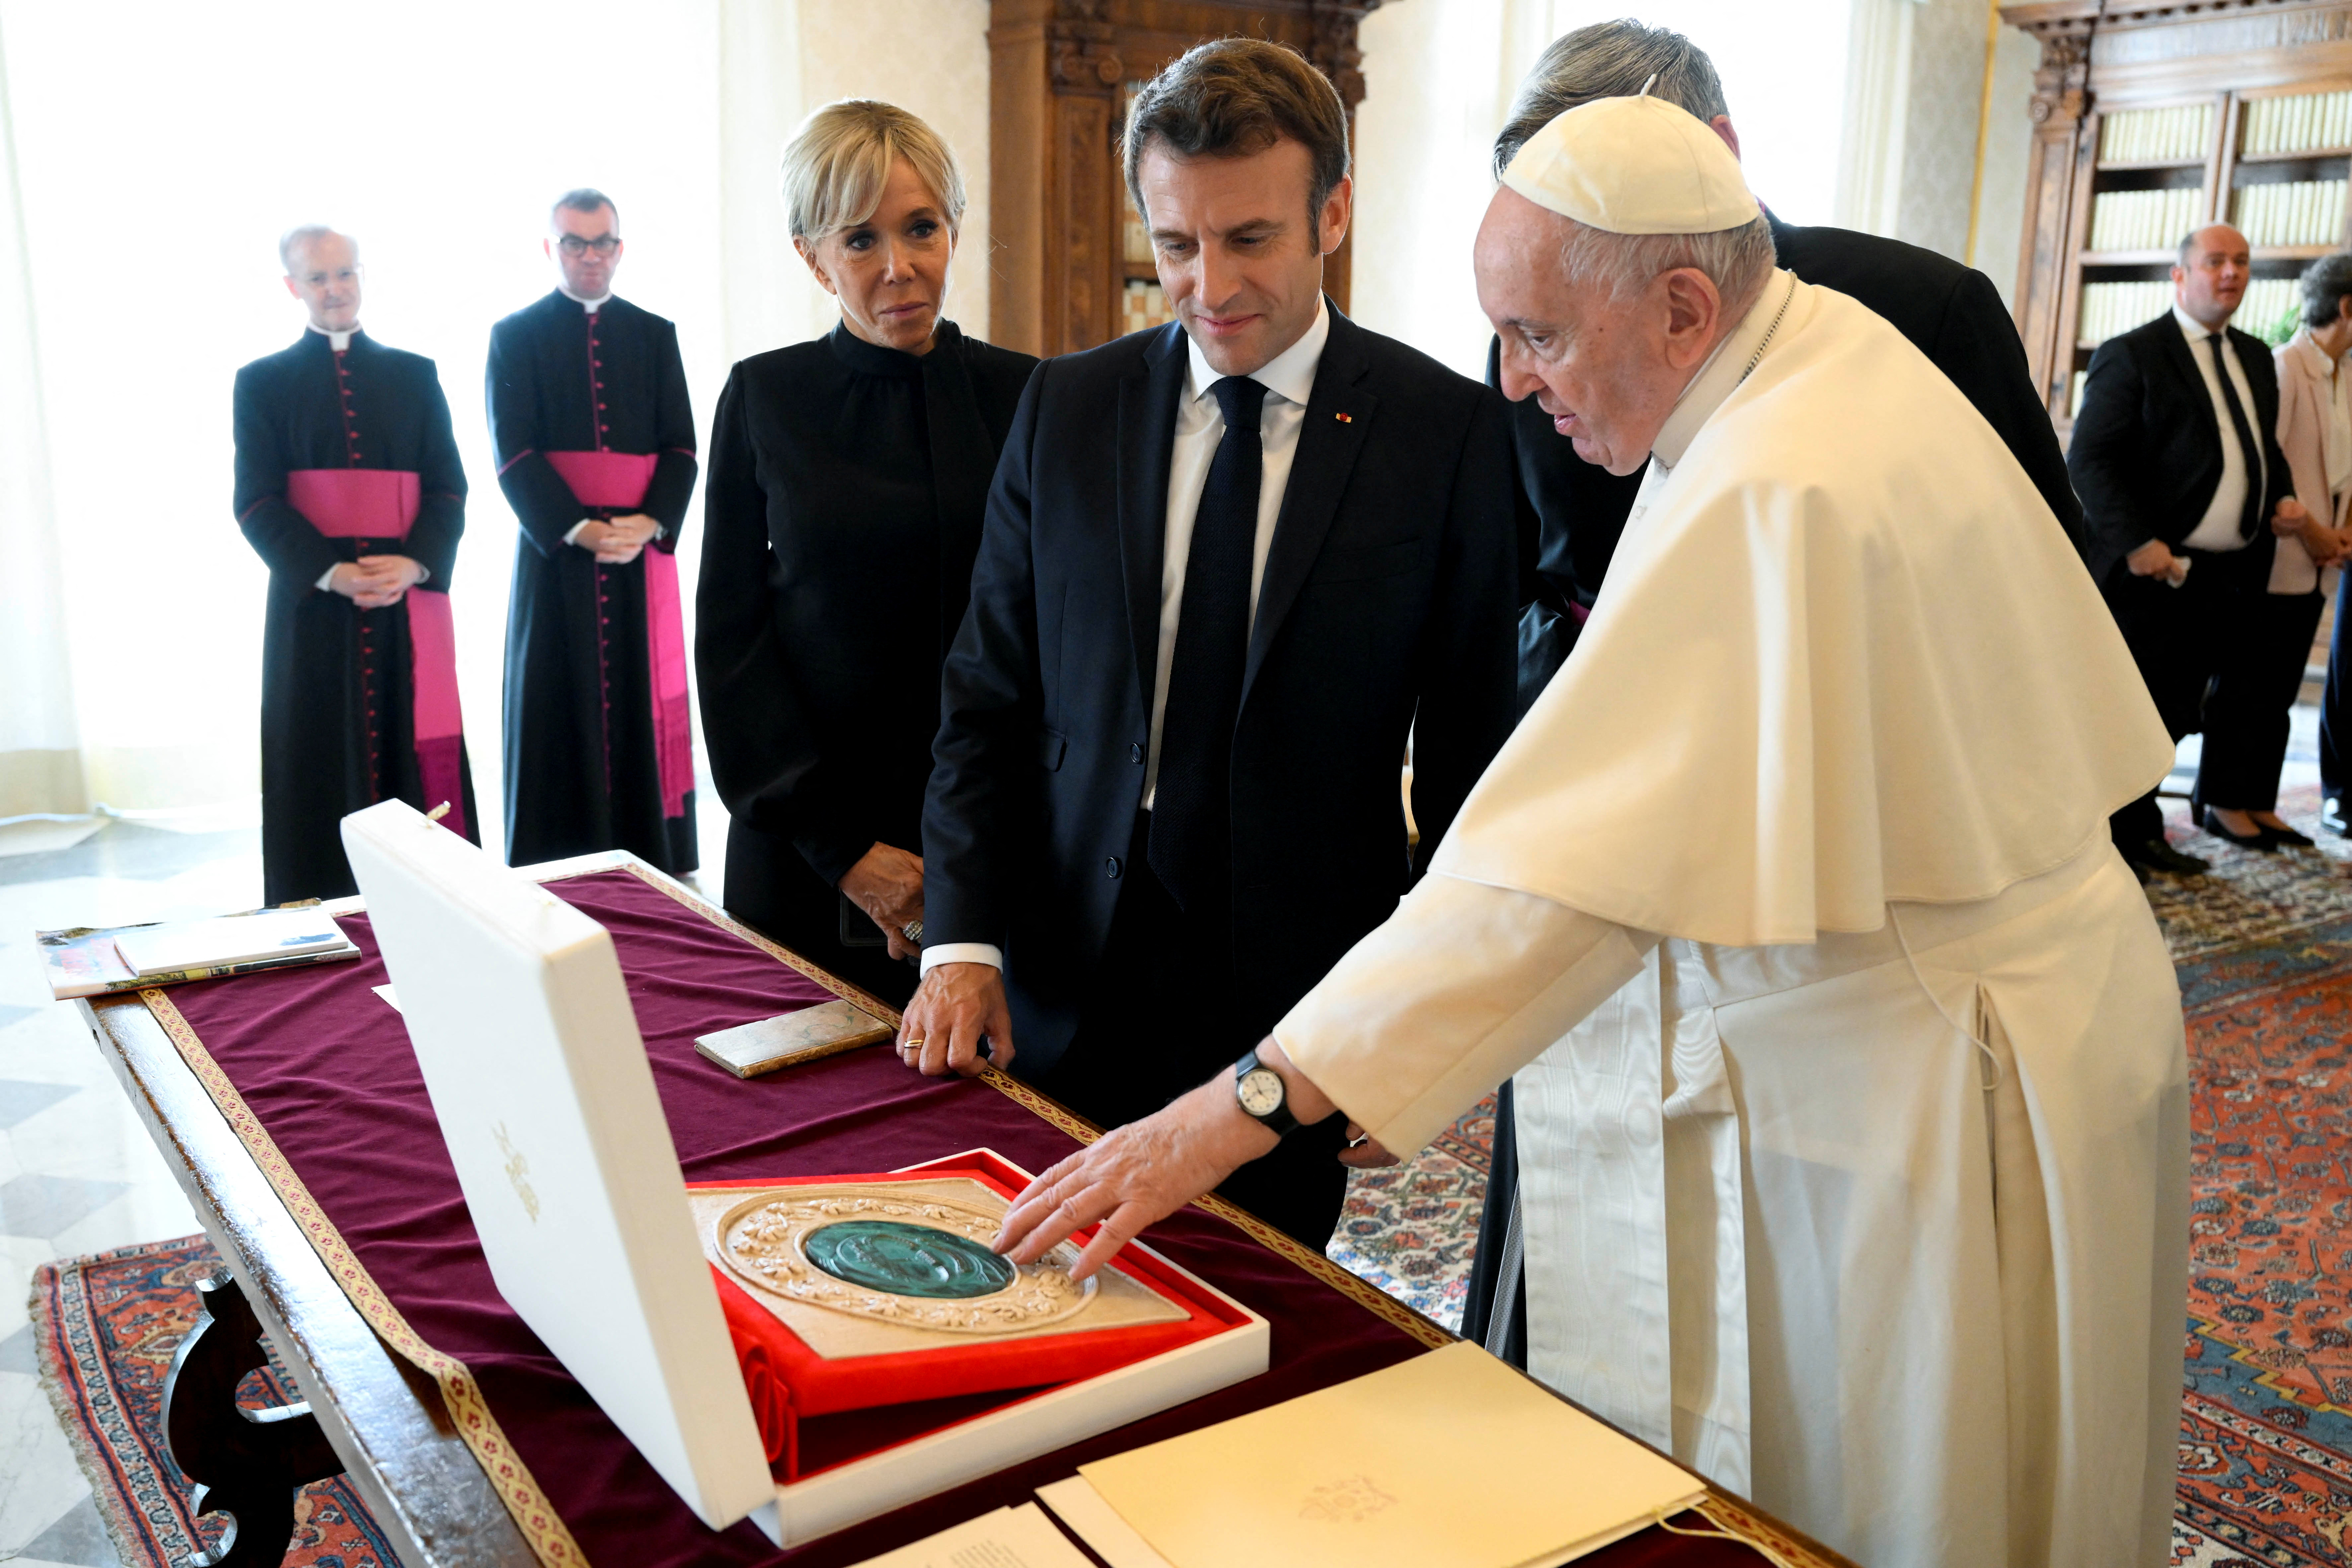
<point x="530" y="1049"/>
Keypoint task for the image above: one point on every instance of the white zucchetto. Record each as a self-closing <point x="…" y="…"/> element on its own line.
<point x="1634" y="165"/>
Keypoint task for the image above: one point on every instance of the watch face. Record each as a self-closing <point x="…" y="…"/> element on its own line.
<point x="1260" y="1090"/>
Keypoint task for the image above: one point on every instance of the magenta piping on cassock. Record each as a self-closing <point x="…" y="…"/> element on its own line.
<point x="381" y="504"/>
<point x="617" y="481"/>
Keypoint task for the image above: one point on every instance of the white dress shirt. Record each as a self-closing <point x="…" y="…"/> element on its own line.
<point x="2218" y="530"/>
<point x="1290" y="380"/>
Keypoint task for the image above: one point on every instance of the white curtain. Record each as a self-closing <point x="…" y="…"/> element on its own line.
<point x="153" y="153"/>
<point x="1877" y="110"/>
<point x="40" y="752"/>
<point x="1439" y="79"/>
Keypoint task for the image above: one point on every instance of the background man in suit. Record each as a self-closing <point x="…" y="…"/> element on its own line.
<point x="1227" y="565"/>
<point x="1571" y="512"/>
<point x="2176" y="455"/>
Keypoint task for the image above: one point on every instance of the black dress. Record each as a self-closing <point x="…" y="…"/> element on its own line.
<point x="589" y="727"/>
<point x="339" y="687"/>
<point x="842" y="515"/>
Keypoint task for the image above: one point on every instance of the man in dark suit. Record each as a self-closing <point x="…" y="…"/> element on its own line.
<point x="1228" y="567"/>
<point x="1571" y="512"/>
<point x="2176" y="454"/>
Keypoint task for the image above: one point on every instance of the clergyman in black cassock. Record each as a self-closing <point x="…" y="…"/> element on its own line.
<point x="590" y="421"/>
<point x="344" y="452"/>
<point x="847" y="484"/>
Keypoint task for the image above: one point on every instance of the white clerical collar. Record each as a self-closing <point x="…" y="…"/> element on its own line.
<point x="341" y="341"/>
<point x="1290" y="374"/>
<point x="1724" y="368"/>
<point x="2196" y="330"/>
<point x="591" y="306"/>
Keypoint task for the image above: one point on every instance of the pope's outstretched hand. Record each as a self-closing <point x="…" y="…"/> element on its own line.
<point x="1139" y="1175"/>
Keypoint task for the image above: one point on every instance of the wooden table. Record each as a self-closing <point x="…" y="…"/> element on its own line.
<point x="366" y="1411"/>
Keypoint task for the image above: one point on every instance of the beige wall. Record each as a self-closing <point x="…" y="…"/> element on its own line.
<point x="781" y="59"/>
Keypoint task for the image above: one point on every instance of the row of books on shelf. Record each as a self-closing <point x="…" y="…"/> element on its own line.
<point x="2145" y="220"/>
<point x="2303" y="123"/>
<point x="2302" y="212"/>
<point x="2268" y="310"/>
<point x="2157" y="135"/>
<point x="1147" y="307"/>
<point x="1135" y="240"/>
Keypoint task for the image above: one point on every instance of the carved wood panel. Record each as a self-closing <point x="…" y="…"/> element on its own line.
<point x="1058" y="276"/>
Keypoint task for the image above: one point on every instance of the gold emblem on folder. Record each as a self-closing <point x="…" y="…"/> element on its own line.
<point x="517" y="1172"/>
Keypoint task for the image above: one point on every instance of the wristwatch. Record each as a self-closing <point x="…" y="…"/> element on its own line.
<point x="1263" y="1096"/>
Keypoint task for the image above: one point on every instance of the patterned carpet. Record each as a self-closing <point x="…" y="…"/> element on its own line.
<point x="105" y="1329"/>
<point x="1412" y="1228"/>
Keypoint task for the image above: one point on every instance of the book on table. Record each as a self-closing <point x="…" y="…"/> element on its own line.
<point x="804" y="1351"/>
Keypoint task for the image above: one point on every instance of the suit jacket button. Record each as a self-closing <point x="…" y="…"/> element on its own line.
<point x="1135" y="752"/>
<point x="1110" y="868"/>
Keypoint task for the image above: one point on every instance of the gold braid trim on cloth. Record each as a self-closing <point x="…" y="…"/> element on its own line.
<point x="519" y="1490"/>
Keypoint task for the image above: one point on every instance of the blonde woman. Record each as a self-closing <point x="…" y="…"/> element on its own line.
<point x="847" y="483"/>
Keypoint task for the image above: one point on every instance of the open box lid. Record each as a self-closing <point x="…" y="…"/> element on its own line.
<point x="530" y="1049"/>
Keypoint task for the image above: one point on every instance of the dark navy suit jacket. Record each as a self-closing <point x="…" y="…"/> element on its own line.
<point x="1387" y="605"/>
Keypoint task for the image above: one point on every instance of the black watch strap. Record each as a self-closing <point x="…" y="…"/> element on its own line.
<point x="1275" y="1118"/>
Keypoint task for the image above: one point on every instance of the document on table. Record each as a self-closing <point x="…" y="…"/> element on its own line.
<point x="1449" y="1461"/>
<point x="1009" y="1538"/>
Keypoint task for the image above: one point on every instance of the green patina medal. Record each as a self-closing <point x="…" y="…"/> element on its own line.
<point x="908" y="1259"/>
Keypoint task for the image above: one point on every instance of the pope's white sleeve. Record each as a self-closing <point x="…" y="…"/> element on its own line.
<point x="1459" y="989"/>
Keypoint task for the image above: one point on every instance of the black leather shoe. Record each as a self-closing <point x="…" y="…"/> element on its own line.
<point x="2158" y="855"/>
<point x="2260" y="838"/>
<point x="2284" y="838"/>
<point x="2331" y="816"/>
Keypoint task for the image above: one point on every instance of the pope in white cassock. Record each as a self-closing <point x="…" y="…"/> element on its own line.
<point x="1852" y="1104"/>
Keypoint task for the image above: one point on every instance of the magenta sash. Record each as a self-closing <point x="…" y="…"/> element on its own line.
<point x="381" y="504"/>
<point x="617" y="481"/>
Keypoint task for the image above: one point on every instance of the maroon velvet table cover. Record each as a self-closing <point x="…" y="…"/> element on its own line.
<point x="326" y="1068"/>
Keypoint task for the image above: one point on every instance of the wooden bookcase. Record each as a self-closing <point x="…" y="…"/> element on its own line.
<point x="2151" y="121"/>
<point x="1069" y="268"/>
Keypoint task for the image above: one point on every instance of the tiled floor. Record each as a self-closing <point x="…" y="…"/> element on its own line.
<point x="76" y="1171"/>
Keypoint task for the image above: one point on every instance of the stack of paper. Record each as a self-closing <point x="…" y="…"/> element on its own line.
<point x="87" y="961"/>
<point x="1449" y="1461"/>
<point x="1009" y="1538"/>
<point x="178" y="945"/>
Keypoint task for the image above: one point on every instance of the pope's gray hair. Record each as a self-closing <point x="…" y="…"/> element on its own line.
<point x="1610" y="60"/>
<point x="1735" y="260"/>
<point x="303" y="234"/>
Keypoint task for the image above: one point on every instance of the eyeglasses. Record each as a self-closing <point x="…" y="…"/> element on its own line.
<point x="603" y="245"/>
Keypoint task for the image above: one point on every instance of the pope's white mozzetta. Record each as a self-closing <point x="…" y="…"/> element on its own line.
<point x="1849" y="1072"/>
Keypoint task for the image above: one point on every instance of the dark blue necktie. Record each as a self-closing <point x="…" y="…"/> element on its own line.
<point x="1190" y="846"/>
<point x="2250" y="515"/>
